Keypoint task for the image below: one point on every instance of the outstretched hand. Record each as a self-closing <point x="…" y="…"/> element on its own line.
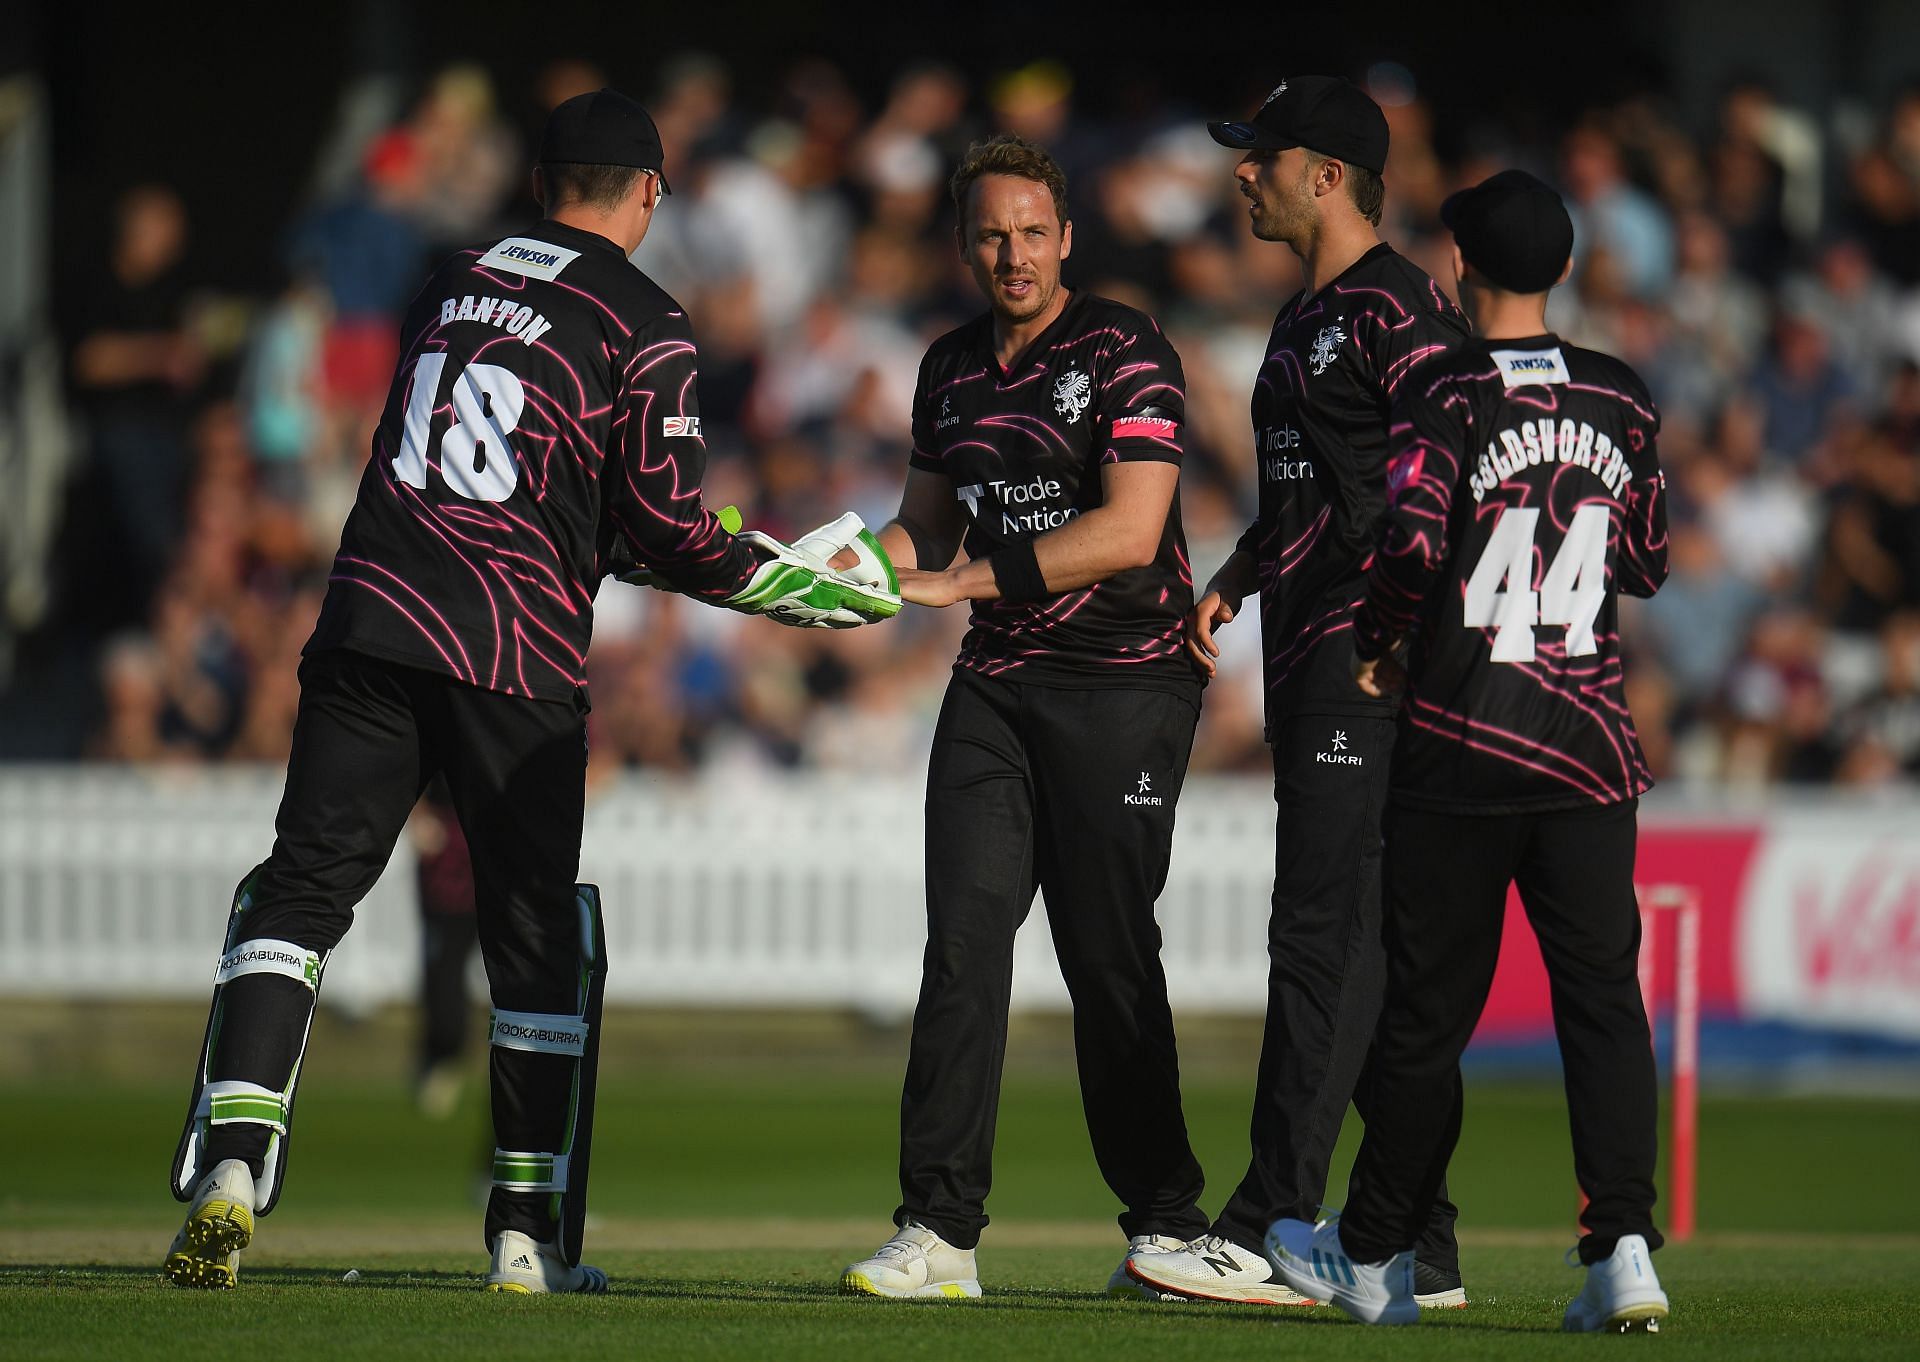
<point x="936" y="589"/>
<point x="1209" y="613"/>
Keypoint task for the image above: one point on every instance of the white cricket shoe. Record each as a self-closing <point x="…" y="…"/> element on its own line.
<point x="916" y="1262"/>
<point x="1311" y="1258"/>
<point x="1124" y="1284"/>
<point x="527" y="1267"/>
<point x="205" y="1254"/>
<point x="1622" y="1293"/>
<point x="1213" y="1268"/>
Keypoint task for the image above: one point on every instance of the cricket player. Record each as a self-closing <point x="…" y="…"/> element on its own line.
<point x="1527" y="496"/>
<point x="1047" y="440"/>
<point x="544" y="403"/>
<point x="1364" y="322"/>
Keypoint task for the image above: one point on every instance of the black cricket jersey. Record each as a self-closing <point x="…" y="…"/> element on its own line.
<point x="544" y="400"/>
<point x="1321" y="407"/>
<point x="1023" y="448"/>
<point x="1527" y="495"/>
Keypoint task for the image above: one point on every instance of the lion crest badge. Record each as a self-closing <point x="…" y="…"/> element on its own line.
<point x="1071" y="393"/>
<point x="1326" y="347"/>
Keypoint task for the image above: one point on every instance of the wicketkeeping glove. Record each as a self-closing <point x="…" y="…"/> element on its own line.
<point x="797" y="587"/>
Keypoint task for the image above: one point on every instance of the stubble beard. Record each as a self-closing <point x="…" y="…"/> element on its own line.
<point x="1286" y="216"/>
<point x="1035" y="305"/>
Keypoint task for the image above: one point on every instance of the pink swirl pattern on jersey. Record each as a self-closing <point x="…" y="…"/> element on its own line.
<point x="499" y="593"/>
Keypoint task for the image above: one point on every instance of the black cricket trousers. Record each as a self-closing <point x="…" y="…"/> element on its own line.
<point x="1447" y="877"/>
<point x="1072" y="791"/>
<point x="369" y="736"/>
<point x="1326" y="974"/>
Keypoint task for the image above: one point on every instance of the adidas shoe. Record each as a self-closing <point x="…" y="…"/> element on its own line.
<point x="916" y="1262"/>
<point x="205" y="1254"/>
<point x="523" y="1265"/>
<point x="1436" y="1289"/>
<point x="1124" y="1285"/>
<point x="1212" y="1268"/>
<point x="1622" y="1293"/>
<point x="1310" y="1258"/>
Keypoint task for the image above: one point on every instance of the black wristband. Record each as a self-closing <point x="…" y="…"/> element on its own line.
<point x="1016" y="571"/>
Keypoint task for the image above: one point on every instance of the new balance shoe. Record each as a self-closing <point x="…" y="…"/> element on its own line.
<point x="1436" y="1289"/>
<point x="1622" y="1294"/>
<point x="1311" y="1259"/>
<point x="524" y="1266"/>
<point x="915" y="1263"/>
<point x="1213" y="1268"/>
<point x="1123" y="1284"/>
<point x="205" y="1254"/>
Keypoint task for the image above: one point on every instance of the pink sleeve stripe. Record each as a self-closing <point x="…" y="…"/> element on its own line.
<point x="1144" y="427"/>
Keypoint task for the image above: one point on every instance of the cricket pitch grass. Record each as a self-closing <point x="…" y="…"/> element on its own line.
<point x="740" y="1162"/>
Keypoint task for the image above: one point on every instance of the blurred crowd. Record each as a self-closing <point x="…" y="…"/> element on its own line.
<point x="1761" y="273"/>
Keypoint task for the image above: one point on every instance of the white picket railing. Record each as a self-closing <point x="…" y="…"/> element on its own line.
<point x="721" y="891"/>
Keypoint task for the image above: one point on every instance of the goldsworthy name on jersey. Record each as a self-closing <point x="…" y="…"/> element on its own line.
<point x="1533" y="443"/>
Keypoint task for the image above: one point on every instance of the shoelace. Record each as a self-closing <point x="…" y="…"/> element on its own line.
<point x="900" y="1248"/>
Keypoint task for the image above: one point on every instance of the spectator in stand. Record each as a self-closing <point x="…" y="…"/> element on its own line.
<point x="1698" y="623"/>
<point x="1615" y="216"/>
<point x="135" y="365"/>
<point x="812" y="240"/>
<point x="1880" y="735"/>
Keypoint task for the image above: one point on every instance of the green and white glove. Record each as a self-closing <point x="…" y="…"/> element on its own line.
<point x="797" y="587"/>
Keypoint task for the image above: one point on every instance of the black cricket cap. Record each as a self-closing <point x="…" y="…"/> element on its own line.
<point x="604" y="128"/>
<point x="1326" y="114"/>
<point x="1513" y="228"/>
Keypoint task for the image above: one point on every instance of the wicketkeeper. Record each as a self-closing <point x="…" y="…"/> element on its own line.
<point x="543" y="408"/>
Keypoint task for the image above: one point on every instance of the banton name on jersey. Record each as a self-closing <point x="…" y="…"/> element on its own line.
<point x="516" y="319"/>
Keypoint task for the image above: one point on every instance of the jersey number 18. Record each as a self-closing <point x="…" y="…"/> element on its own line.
<point x="475" y="458"/>
<point x="1570" y="594"/>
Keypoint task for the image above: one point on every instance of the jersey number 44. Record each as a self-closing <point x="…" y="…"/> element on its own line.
<point x="1570" y="594"/>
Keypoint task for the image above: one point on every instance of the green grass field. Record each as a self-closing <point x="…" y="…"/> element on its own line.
<point x="740" y="1162"/>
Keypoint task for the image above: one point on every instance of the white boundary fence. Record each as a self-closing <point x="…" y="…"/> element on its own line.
<point x="745" y="890"/>
<point x="721" y="891"/>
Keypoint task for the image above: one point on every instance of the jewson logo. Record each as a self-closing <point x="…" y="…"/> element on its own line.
<point x="525" y="256"/>
<point x="1524" y="368"/>
<point x="1338" y="754"/>
<point x="1144" y="795"/>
